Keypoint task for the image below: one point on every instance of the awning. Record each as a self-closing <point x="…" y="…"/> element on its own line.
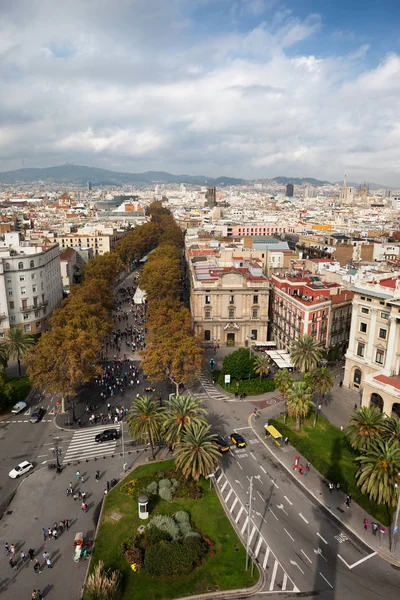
<point x="273" y="432"/>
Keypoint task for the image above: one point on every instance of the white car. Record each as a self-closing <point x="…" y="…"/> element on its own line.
<point x="19" y="407"/>
<point x="21" y="469"/>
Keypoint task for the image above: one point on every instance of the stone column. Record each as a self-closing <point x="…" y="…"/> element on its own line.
<point x="353" y="330"/>
<point x="390" y="358"/>
<point x="387" y="406"/>
<point x="369" y="355"/>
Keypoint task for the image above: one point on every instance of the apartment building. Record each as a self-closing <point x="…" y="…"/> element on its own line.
<point x="101" y="240"/>
<point x="303" y="304"/>
<point x="373" y="355"/>
<point x="30" y="284"/>
<point x="229" y="304"/>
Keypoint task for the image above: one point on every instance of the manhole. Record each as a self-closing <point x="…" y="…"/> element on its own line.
<point x="115" y="516"/>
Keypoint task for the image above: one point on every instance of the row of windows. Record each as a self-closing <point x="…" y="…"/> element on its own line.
<point x="383" y="315"/>
<point x="207" y="334"/>
<point x="382" y="332"/>
<point x="231" y="299"/>
<point x="231" y="313"/>
<point x="379" y="355"/>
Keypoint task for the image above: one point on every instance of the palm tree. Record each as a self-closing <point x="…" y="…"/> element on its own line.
<point x="299" y="401"/>
<point x="323" y="383"/>
<point x="305" y="353"/>
<point x="261" y="365"/>
<point x="283" y="380"/>
<point x="145" y="420"/>
<point x="178" y="413"/>
<point x="365" y="427"/>
<point x="4" y="356"/>
<point x="18" y="344"/>
<point x="197" y="453"/>
<point x="391" y="429"/>
<point x="379" y="470"/>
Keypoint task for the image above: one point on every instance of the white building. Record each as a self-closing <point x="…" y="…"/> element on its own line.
<point x="30" y="284"/>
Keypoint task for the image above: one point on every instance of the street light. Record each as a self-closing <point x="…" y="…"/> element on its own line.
<point x="57" y="453"/>
<point x="250" y="337"/>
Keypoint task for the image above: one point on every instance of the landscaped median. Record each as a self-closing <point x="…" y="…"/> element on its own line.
<point x="187" y="547"/>
<point x="327" y="449"/>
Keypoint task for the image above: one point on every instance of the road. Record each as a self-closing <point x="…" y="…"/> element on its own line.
<point x="301" y="547"/>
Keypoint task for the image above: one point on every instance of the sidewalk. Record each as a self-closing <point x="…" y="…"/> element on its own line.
<point x="315" y="485"/>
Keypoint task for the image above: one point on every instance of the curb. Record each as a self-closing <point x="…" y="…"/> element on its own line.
<point x="308" y="492"/>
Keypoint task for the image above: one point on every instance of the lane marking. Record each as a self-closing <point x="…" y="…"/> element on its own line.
<point x="271" y="585"/>
<point x="359" y="561"/>
<point x="234" y="504"/>
<point x="220" y="477"/>
<point x="244" y="525"/>
<point x="241" y="428"/>
<point x="275" y="484"/>
<point x="224" y="486"/>
<point x="284" y="582"/>
<point x="229" y="495"/>
<point x="286" y="531"/>
<point x="321" y="538"/>
<point x="319" y="551"/>
<point x="271" y="511"/>
<point x="302" y="551"/>
<point x="252" y="455"/>
<point x="266" y="557"/>
<point x="294" y="563"/>
<point x="304" y="519"/>
<point x="238" y="515"/>
<point x="240" y="483"/>
<point x="331" y="586"/>
<point x="260" y="541"/>
<point x="239" y="465"/>
<point x="252" y="534"/>
<point x="280" y="506"/>
<point x="42" y="455"/>
<point x="261" y="496"/>
<point x="262" y="469"/>
<point x="287" y="500"/>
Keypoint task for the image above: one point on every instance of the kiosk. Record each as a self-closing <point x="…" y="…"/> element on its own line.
<point x="143" y="502"/>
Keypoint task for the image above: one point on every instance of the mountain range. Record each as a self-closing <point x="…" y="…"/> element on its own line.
<point x="80" y="175"/>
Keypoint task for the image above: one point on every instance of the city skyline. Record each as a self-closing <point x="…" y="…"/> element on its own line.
<point x="249" y="89"/>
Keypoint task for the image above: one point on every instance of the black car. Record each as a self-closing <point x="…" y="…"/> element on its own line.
<point x="107" y="435"/>
<point x="37" y="415"/>
<point x="222" y="445"/>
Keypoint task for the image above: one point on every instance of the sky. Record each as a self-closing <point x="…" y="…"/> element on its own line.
<point x="242" y="88"/>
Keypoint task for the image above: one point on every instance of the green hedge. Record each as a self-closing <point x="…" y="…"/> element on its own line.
<point x="251" y="387"/>
<point x="328" y="451"/>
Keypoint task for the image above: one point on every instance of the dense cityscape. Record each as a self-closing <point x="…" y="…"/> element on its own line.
<point x="199" y="300"/>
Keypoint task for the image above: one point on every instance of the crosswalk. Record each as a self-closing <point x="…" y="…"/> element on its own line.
<point x="83" y="445"/>
<point x="211" y="390"/>
<point x="276" y="577"/>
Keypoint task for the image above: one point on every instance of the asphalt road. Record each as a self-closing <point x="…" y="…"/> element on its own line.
<point x="301" y="547"/>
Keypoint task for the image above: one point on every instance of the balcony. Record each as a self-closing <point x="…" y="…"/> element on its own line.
<point x="30" y="307"/>
<point x="2" y="316"/>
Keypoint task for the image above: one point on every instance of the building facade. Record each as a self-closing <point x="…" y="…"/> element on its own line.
<point x="229" y="304"/>
<point x="30" y="286"/>
<point x="100" y="240"/>
<point x="373" y="356"/>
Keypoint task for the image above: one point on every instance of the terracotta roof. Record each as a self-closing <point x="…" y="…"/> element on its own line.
<point x="67" y="254"/>
<point x="342" y="297"/>
<point x="393" y="381"/>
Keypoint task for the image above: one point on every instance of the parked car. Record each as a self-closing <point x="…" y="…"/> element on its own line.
<point x="19" y="407"/>
<point x="21" y="469"/>
<point x="238" y="440"/>
<point x="37" y="415"/>
<point x="222" y="445"/>
<point x="107" y="435"/>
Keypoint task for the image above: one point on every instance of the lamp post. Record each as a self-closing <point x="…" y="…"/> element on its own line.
<point x="250" y="337"/>
<point x="57" y="453"/>
<point x="396" y="519"/>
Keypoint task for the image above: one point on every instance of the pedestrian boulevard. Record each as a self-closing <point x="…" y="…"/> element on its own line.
<point x="276" y="577"/>
<point x="83" y="445"/>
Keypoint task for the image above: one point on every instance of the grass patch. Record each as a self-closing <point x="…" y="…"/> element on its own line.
<point x="225" y="569"/>
<point x="22" y="387"/>
<point x="328" y="451"/>
<point x="251" y="387"/>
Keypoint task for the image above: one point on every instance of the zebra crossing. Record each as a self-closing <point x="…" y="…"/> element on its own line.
<point x="276" y="577"/>
<point x="211" y="390"/>
<point x="83" y="445"/>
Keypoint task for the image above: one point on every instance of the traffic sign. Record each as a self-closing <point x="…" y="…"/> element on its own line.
<point x="57" y="403"/>
<point x="395" y="530"/>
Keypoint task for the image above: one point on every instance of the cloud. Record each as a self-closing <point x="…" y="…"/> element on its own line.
<point x="154" y="86"/>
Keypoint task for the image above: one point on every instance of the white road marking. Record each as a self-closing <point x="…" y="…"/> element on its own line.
<point x="294" y="563"/>
<point x="234" y="504"/>
<point x="42" y="455"/>
<point x="284" y="582"/>
<point x="238" y="515"/>
<point x="25" y="421"/>
<point x="261" y="496"/>
<point x="271" y="511"/>
<point x="239" y="465"/>
<point x="244" y="525"/>
<point x="271" y="585"/>
<point x="331" y="586"/>
<point x="358" y="562"/>
<point x="252" y="455"/>
<point x="286" y="531"/>
<point x="262" y="469"/>
<point x="304" y="519"/>
<point x="288" y="501"/>
<point x="220" y="477"/>
<point x="260" y="541"/>
<point x="266" y="557"/>
<point x="44" y="462"/>
<point x="302" y="551"/>
<point x="319" y="551"/>
<point x="224" y="486"/>
<point x="275" y="484"/>
<point x="321" y="538"/>
<point x="240" y="483"/>
<point x="52" y="411"/>
<point x="280" y="506"/>
<point x="252" y="534"/>
<point x="229" y="495"/>
<point x="241" y="428"/>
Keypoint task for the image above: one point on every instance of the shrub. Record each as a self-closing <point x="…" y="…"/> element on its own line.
<point x="141" y="485"/>
<point x="166" y="494"/>
<point x="164" y="484"/>
<point x="129" y="487"/>
<point x="196" y="548"/>
<point x="129" y="543"/>
<point x="185" y="528"/>
<point x="155" y="535"/>
<point x="193" y="534"/>
<point x="152" y="488"/>
<point x="238" y="364"/>
<point x="102" y="583"/>
<point x="167" y="524"/>
<point x="189" y="489"/>
<point x="134" y="556"/>
<point x="167" y="558"/>
<point x="182" y="516"/>
<point x="251" y="386"/>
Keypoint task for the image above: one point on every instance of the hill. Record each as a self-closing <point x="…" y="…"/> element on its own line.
<point x="300" y="181"/>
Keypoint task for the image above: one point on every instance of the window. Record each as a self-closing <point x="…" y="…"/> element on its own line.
<point x="7" y="265"/>
<point x="20" y="265"/>
<point x="207" y="335"/>
<point x="365" y="311"/>
<point x="231" y="299"/>
<point x="26" y="316"/>
<point x="208" y="299"/>
<point x="12" y="319"/>
<point x="207" y="313"/>
<point x="369" y="300"/>
<point x="33" y="276"/>
<point x="384" y="315"/>
<point x="363" y="327"/>
<point x="382" y="302"/>
<point x="11" y="304"/>
<point x="38" y="325"/>
<point x="22" y="278"/>
<point x="23" y="291"/>
<point x="255" y="299"/>
<point x="9" y="280"/>
<point x="360" y="349"/>
<point x="34" y="288"/>
<point x="362" y="297"/>
<point x="231" y="313"/>
<point x="380" y="357"/>
<point x="10" y="292"/>
<point x="254" y="313"/>
<point x="382" y="333"/>
<point x="27" y="327"/>
<point x="37" y="313"/>
<point x="254" y="334"/>
<point x="1" y="335"/>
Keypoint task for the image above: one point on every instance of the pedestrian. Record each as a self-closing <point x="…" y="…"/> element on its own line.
<point x="79" y="423"/>
<point x="45" y="555"/>
<point x="83" y="496"/>
<point x="286" y="441"/>
<point x="108" y="486"/>
<point x="12" y="549"/>
<point x="70" y="485"/>
<point x="36" y="566"/>
<point x="366" y="524"/>
<point x="78" y="476"/>
<point x="49" y="533"/>
<point x="330" y="487"/>
<point x="82" y="479"/>
<point x="341" y="428"/>
<point x="67" y="524"/>
<point x="23" y="556"/>
<point x="7" y="546"/>
<point x="340" y="383"/>
<point x="11" y="562"/>
<point x="338" y="486"/>
<point x="374" y="527"/>
<point x="301" y="469"/>
<point x="48" y="563"/>
<point x="55" y="534"/>
<point x="348" y="501"/>
<point x="105" y="491"/>
<point x="31" y="554"/>
<point x="97" y="475"/>
<point x="307" y="468"/>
